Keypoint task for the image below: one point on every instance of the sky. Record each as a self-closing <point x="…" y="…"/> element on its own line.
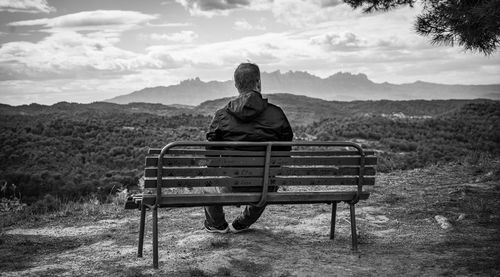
<point x="92" y="50"/>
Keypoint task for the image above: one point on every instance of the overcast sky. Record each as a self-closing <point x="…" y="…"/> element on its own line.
<point x="90" y="50"/>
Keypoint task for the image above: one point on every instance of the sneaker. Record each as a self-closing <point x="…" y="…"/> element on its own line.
<point x="221" y="230"/>
<point x="235" y="230"/>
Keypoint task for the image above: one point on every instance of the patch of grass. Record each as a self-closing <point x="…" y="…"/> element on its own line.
<point x="481" y="206"/>
<point x="223" y="271"/>
<point x="477" y="255"/>
<point x="54" y="272"/>
<point x="219" y="243"/>
<point x="482" y="165"/>
<point x="50" y="208"/>
<point x="135" y="272"/>
<point x="418" y="213"/>
<point x="363" y="236"/>
<point x="392" y="199"/>
<point x="292" y="221"/>
<point x="19" y="251"/>
<point x="196" y="272"/>
<point x="47" y="204"/>
<point x="285" y="274"/>
<point x="250" y="267"/>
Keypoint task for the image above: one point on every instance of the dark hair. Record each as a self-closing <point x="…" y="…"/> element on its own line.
<point x="246" y="76"/>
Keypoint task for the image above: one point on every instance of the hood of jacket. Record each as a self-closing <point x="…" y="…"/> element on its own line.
<point x="247" y="106"/>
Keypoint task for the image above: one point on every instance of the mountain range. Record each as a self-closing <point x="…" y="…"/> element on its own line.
<point x="337" y="87"/>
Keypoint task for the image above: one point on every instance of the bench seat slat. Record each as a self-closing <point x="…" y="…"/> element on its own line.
<point x="258" y="161"/>
<point x="258" y="171"/>
<point x="257" y="181"/>
<point x="202" y="152"/>
<point x="190" y="200"/>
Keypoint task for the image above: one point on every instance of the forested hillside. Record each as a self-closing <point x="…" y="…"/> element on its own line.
<point x="415" y="141"/>
<point x="76" y="154"/>
<point x="75" y="150"/>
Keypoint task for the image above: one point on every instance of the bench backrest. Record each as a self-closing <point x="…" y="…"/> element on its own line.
<point x="343" y="165"/>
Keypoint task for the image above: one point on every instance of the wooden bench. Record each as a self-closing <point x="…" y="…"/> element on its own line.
<point x="327" y="172"/>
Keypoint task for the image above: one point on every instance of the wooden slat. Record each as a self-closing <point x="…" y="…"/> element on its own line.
<point x="192" y="200"/>
<point x="202" y="152"/>
<point x="259" y="161"/>
<point x="257" y="171"/>
<point x="257" y="181"/>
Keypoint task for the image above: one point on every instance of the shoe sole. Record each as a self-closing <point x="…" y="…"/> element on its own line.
<point x="235" y="231"/>
<point x="217" y="230"/>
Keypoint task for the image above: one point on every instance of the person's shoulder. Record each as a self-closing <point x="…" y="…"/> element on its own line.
<point x="274" y="107"/>
<point x="221" y="111"/>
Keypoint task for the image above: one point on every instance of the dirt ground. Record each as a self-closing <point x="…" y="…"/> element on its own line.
<point x="442" y="220"/>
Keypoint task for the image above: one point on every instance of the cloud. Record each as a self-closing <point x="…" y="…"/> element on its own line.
<point x="298" y="13"/>
<point x="170" y="24"/>
<point x="74" y="55"/>
<point x="83" y="90"/>
<point x="91" y="20"/>
<point x="211" y="8"/>
<point x="339" y="42"/>
<point x="180" y="37"/>
<point x="243" y="25"/>
<point x="27" y="6"/>
<point x="270" y="49"/>
<point x="83" y="45"/>
<point x="207" y="5"/>
<point x="69" y="54"/>
<point x="79" y="45"/>
<point x="330" y="3"/>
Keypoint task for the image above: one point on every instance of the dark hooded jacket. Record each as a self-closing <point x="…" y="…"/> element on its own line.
<point x="249" y="117"/>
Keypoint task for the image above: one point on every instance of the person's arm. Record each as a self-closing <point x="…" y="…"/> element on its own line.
<point x="286" y="133"/>
<point x="286" y="130"/>
<point x="213" y="133"/>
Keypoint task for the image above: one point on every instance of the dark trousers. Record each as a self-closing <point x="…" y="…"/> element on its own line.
<point x="214" y="215"/>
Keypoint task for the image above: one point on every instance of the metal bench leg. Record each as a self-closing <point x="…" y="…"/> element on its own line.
<point x="141" y="231"/>
<point x="353" y="228"/>
<point x="155" y="237"/>
<point x="334" y="217"/>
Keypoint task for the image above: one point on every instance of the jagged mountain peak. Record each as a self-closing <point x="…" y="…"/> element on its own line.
<point x="195" y="80"/>
<point x="348" y="76"/>
<point x="288" y="74"/>
<point x="306" y="74"/>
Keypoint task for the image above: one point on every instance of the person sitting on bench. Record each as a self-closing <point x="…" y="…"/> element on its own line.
<point x="249" y="117"/>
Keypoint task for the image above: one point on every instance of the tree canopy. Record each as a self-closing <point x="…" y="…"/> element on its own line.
<point x="471" y="24"/>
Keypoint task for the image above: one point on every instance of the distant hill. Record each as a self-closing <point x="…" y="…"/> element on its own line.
<point x="300" y="110"/>
<point x="338" y="87"/>
<point x="96" y="108"/>
<point x="304" y="110"/>
<point x="188" y="92"/>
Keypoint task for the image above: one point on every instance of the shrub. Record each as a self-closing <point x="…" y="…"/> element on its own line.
<point x="48" y="204"/>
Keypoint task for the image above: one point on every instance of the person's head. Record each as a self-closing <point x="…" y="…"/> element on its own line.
<point x="247" y="77"/>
